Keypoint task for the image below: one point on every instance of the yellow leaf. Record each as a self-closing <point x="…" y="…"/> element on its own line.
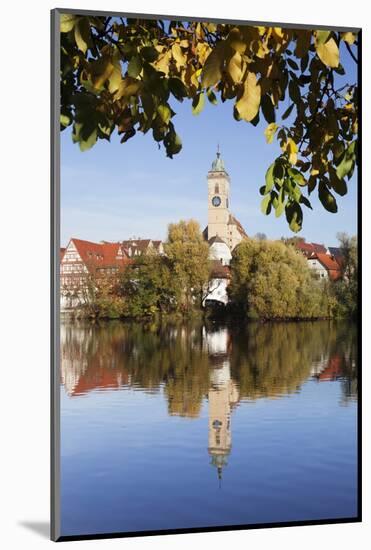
<point x="82" y="34"/>
<point x="101" y="70"/>
<point x="212" y="69"/>
<point x="128" y="87"/>
<point x="292" y="150"/>
<point x="162" y="63"/>
<point x="234" y="67"/>
<point x="248" y="105"/>
<point x="115" y="79"/>
<point x="270" y="131"/>
<point x="68" y="21"/>
<point x="348" y="37"/>
<point x="278" y="32"/>
<point x="178" y="55"/>
<point x="328" y="53"/>
<point x="236" y="42"/>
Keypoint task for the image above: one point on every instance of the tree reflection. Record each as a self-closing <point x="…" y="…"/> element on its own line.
<point x="265" y="360"/>
<point x="192" y="363"/>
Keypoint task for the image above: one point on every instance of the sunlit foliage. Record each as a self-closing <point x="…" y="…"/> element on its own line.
<point x="126" y="75"/>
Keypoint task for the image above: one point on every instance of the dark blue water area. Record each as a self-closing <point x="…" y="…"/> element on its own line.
<point x="127" y="465"/>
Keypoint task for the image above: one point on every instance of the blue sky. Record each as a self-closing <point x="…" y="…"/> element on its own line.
<point x="116" y="191"/>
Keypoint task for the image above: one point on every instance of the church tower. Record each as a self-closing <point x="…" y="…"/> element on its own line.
<point x="218" y="183"/>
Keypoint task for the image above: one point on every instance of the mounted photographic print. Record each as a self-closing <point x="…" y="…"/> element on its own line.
<point x="205" y="283"/>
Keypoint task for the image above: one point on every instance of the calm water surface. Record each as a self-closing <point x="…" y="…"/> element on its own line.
<point x="192" y="425"/>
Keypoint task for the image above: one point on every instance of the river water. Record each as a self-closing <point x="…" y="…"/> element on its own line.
<point x="186" y="425"/>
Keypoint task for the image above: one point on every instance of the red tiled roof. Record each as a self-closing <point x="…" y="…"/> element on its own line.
<point x="330" y="264"/>
<point x="309" y="248"/>
<point x="141" y="244"/>
<point x="61" y="253"/>
<point x="100" y="254"/>
<point x="99" y="378"/>
<point x="332" y="370"/>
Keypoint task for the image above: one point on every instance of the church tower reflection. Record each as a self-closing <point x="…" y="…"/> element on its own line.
<point x="222" y="396"/>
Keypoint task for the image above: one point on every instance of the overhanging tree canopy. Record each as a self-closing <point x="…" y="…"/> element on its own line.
<point x="123" y="74"/>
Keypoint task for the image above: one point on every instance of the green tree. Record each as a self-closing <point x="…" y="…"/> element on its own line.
<point x="271" y="280"/>
<point x="188" y="253"/>
<point x="147" y="287"/>
<point x="125" y="75"/>
<point x="346" y="289"/>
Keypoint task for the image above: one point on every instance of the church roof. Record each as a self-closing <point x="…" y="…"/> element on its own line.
<point x="216" y="239"/>
<point x="218" y="164"/>
<point x="234" y="221"/>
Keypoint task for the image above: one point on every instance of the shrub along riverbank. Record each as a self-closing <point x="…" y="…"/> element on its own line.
<point x="270" y="280"/>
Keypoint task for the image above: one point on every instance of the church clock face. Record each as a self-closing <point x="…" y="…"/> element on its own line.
<point x="216" y="201"/>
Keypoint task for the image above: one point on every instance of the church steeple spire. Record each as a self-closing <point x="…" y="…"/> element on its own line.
<point x="218" y="163"/>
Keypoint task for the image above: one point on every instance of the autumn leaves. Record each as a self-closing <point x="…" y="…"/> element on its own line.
<point x="126" y="75"/>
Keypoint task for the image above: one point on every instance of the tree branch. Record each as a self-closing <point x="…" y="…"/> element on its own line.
<point x="351" y="53"/>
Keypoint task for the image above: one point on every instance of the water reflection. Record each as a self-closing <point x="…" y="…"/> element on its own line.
<point x="225" y="365"/>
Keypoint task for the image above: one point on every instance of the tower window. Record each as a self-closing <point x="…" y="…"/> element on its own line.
<point x="217" y="189"/>
<point x="227" y="202"/>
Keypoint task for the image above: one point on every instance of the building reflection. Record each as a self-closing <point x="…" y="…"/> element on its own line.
<point x="223" y="395"/>
<point x="189" y="363"/>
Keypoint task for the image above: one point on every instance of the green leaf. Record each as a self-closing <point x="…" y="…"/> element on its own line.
<point x="177" y="88"/>
<point x="135" y="66"/>
<point x="347" y="162"/>
<point x="129" y="134"/>
<point x="255" y="121"/>
<point x="292" y="64"/>
<point x="165" y="113"/>
<point x="297" y="176"/>
<point x="280" y="204"/>
<point x="266" y="205"/>
<point x="65" y="120"/>
<point x="211" y="97"/>
<point x="84" y="135"/>
<point x="327" y="199"/>
<point x="148" y="105"/>
<point x="312" y="182"/>
<point x="172" y="142"/>
<point x="294" y="216"/>
<point x="270" y="131"/>
<point x="149" y="53"/>
<point x="279" y="210"/>
<point x="339" y="69"/>
<point x="338" y="185"/>
<point x="198" y="103"/>
<point x="268" y="109"/>
<point x="279" y="171"/>
<point x="288" y="112"/>
<point x="305" y="201"/>
<point x="269" y="179"/>
<point x="294" y="92"/>
<point x="249" y="102"/>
